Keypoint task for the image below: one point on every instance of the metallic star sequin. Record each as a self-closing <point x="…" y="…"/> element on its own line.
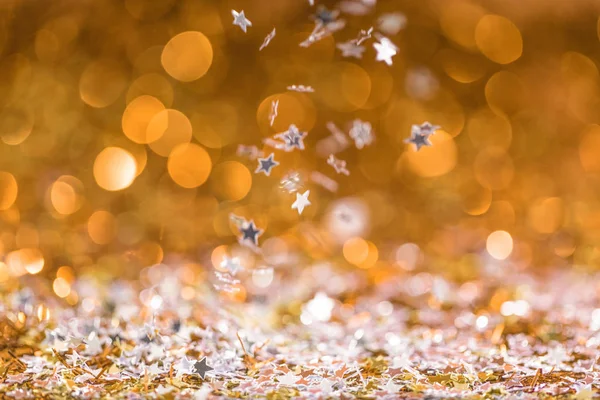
<point x="265" y="165"/>
<point x="240" y="20"/>
<point x="301" y="202"/>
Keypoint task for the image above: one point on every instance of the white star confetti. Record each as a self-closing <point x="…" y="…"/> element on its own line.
<point x="351" y="49"/>
<point x="301" y="89"/>
<point x="385" y="50"/>
<point x="267" y="40"/>
<point x="231" y="265"/>
<point x="274" y="111"/>
<point x="301" y="202"/>
<point x="240" y="20"/>
<point x="338" y="165"/>
<point x="288" y="379"/>
<point x="426" y="128"/>
<point x="362" y="133"/>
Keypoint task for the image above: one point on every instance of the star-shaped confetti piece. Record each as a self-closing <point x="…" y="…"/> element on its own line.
<point x="301" y="202"/>
<point x="385" y="50"/>
<point x="202" y="368"/>
<point x="351" y="49"/>
<point x="250" y="232"/>
<point x="231" y="265"/>
<point x="293" y="138"/>
<point x="240" y="20"/>
<point x="289" y="379"/>
<point x="418" y="140"/>
<point x="274" y="111"/>
<point x="265" y="165"/>
<point x="338" y="165"/>
<point x="268" y="39"/>
<point x="426" y="128"/>
<point x="362" y="133"/>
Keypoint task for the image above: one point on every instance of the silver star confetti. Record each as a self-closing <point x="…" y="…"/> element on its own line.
<point x="267" y="40"/>
<point x="351" y="49"/>
<point x="301" y="89"/>
<point x="362" y="134"/>
<point x="265" y="165"/>
<point x="202" y="368"/>
<point x="240" y="20"/>
<point x="338" y="165"/>
<point x="418" y="140"/>
<point x="274" y="111"/>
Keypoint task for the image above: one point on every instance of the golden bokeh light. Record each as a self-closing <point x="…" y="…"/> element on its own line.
<point x="499" y="245"/>
<point x="61" y="287"/>
<point x="154" y="85"/>
<point x="488" y="129"/>
<point x="15" y="125"/>
<point x="546" y="215"/>
<point x="356" y="250"/>
<point x="187" y="56"/>
<point x="435" y="160"/>
<point x="189" y="165"/>
<point x="66" y="194"/>
<point x="8" y="190"/>
<point x="231" y="180"/>
<point x="499" y="39"/>
<point x="114" y="169"/>
<point x="137" y="116"/>
<point x="168" y="129"/>
<point x="458" y="21"/>
<point x="344" y="86"/>
<point x="494" y="168"/>
<point x="589" y="148"/>
<point x="102" y="227"/>
<point x="102" y="82"/>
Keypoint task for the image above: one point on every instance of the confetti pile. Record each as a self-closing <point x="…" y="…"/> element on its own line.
<point x="299" y="199"/>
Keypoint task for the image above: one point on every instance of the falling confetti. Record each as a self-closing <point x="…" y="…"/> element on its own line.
<point x="267" y="40"/>
<point x="301" y="201"/>
<point x="240" y="20"/>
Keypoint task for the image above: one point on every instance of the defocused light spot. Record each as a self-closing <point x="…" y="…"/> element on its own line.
<point x="589" y="149"/>
<point x="499" y="245"/>
<point x="61" y="287"/>
<point x="372" y="256"/>
<point x="154" y="85"/>
<point x="476" y="199"/>
<point x="356" y="250"/>
<point x="138" y="115"/>
<point x="187" y="56"/>
<point x="8" y="190"/>
<point x="494" y="169"/>
<point x="189" y="165"/>
<point x="114" y="169"/>
<point x="344" y="86"/>
<point x="215" y="125"/>
<point x="546" y="215"/>
<point x="499" y="39"/>
<point x="46" y="45"/>
<point x="102" y="82"/>
<point x="231" y="180"/>
<point x="486" y="128"/>
<point x="148" y="10"/>
<point x="458" y="20"/>
<point x="262" y="277"/>
<point x="407" y="256"/>
<point x="435" y="160"/>
<point x="504" y="93"/>
<point x="65" y="194"/>
<point x="15" y="125"/>
<point x="30" y="259"/>
<point x="102" y="227"/>
<point x="294" y="108"/>
<point x="461" y="66"/>
<point x="166" y="130"/>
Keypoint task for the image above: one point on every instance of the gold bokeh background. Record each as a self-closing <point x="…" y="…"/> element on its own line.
<point x="120" y="120"/>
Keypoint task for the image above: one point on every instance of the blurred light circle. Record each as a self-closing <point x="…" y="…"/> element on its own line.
<point x="137" y="116"/>
<point x="494" y="169"/>
<point x="102" y="82"/>
<point x="168" y="129"/>
<point x="152" y="84"/>
<point x="499" y="245"/>
<point x="114" y="169"/>
<point x="102" y="227"/>
<point x="187" y="56"/>
<point x="8" y="190"/>
<point x="356" y="250"/>
<point x="499" y="39"/>
<point x="15" y="125"/>
<point x="435" y="160"/>
<point x="231" y="180"/>
<point x="189" y="165"/>
<point x="65" y="194"/>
